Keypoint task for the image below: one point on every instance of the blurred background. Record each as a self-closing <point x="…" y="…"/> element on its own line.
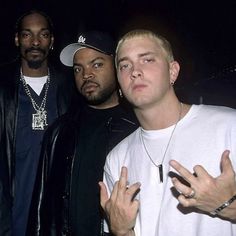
<point x="202" y="33"/>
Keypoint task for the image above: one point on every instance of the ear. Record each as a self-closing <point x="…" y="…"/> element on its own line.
<point x="174" y="71"/>
<point x="16" y="40"/>
<point x="52" y="42"/>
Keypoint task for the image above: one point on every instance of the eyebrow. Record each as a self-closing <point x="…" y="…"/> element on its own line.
<point x="97" y="58"/>
<point x="122" y="59"/>
<point x="30" y="30"/>
<point x="90" y="62"/>
<point x="139" y="56"/>
<point x="146" y="54"/>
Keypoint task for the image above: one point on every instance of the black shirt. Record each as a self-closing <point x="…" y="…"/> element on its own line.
<point x="93" y="146"/>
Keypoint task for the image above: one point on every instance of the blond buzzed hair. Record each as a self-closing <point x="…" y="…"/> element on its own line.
<point x="162" y="42"/>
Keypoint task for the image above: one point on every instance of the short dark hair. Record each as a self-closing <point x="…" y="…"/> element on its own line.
<point x="18" y="26"/>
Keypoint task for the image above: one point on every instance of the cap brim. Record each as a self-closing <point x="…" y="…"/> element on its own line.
<point x="67" y="54"/>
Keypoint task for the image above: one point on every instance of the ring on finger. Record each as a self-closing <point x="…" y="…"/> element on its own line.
<point x="191" y="195"/>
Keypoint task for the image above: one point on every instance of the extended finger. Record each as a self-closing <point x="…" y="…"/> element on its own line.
<point x="226" y="164"/>
<point x="122" y="183"/>
<point x="103" y="194"/>
<point x="201" y="173"/>
<point x="185" y="173"/>
<point x="123" y="178"/>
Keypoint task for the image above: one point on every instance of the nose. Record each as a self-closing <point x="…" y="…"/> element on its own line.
<point x="136" y="72"/>
<point x="36" y="41"/>
<point x="87" y="75"/>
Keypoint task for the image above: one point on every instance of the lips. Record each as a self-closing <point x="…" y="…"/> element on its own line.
<point x="89" y="87"/>
<point x="138" y="87"/>
<point x="35" y="51"/>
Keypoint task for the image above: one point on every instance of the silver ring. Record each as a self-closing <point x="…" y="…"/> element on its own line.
<point x="191" y="195"/>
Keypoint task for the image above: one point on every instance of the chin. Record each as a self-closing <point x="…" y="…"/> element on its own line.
<point x="35" y="64"/>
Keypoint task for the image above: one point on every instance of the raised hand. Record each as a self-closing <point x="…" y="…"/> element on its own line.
<point x="205" y="192"/>
<point x="121" y="208"/>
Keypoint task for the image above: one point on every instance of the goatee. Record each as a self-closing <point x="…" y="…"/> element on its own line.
<point x="34" y="64"/>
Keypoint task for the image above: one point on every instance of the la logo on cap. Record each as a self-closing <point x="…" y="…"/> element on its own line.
<point x="81" y="39"/>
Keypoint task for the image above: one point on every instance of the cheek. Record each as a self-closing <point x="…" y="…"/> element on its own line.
<point x="78" y="81"/>
<point x="122" y="79"/>
<point x="125" y="87"/>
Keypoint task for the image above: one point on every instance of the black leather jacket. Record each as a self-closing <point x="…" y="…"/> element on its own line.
<point x="9" y="81"/>
<point x="51" y="205"/>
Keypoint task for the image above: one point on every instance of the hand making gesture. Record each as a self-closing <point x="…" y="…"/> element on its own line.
<point x="212" y="195"/>
<point x="121" y="208"/>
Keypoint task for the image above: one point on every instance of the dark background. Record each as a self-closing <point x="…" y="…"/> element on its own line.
<point x="202" y="33"/>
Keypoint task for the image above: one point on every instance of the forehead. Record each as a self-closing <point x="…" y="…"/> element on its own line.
<point x="138" y="45"/>
<point x="33" y="20"/>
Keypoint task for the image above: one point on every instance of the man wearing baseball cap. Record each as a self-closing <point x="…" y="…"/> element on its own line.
<point x="66" y="194"/>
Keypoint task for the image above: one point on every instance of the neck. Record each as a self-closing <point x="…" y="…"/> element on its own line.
<point x="31" y="72"/>
<point x="162" y="116"/>
<point x="111" y="102"/>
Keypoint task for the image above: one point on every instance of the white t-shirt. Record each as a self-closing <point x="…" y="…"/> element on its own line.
<point x="36" y="83"/>
<point x="199" y="138"/>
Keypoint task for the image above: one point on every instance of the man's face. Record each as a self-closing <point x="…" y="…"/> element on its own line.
<point x="95" y="77"/>
<point x="34" y="40"/>
<point x="144" y="72"/>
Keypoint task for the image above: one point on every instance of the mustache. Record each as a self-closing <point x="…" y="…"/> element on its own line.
<point x="35" y="49"/>
<point x="88" y="82"/>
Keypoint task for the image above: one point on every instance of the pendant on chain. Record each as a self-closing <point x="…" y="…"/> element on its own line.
<point x="160" y="169"/>
<point x="39" y="120"/>
<point x="160" y="166"/>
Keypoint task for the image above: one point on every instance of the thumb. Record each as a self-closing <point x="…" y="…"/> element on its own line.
<point x="103" y="194"/>
<point x="226" y="165"/>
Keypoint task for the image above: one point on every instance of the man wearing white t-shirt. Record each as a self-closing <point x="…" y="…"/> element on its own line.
<point x="146" y="191"/>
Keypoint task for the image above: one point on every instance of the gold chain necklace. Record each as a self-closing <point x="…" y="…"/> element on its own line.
<point x="160" y="166"/>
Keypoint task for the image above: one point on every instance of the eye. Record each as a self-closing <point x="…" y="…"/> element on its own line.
<point x="77" y="69"/>
<point x="45" y="35"/>
<point x="148" y="60"/>
<point x="124" y="66"/>
<point x="25" y="34"/>
<point x="97" y="65"/>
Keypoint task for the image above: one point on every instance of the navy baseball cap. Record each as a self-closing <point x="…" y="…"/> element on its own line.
<point x="96" y="40"/>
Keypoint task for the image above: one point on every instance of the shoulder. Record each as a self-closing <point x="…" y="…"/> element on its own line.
<point x="9" y="72"/>
<point x="217" y="111"/>
<point x="63" y="123"/>
<point x="125" y="115"/>
<point x="121" y="154"/>
<point x="60" y="75"/>
<point x="217" y="117"/>
<point x="126" y="145"/>
<point x="10" y="67"/>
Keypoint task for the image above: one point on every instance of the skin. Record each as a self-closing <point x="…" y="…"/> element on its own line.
<point x="34" y="42"/>
<point x="122" y="209"/>
<point x="222" y="188"/>
<point x="95" y="78"/>
<point x="145" y="76"/>
<point x="142" y="68"/>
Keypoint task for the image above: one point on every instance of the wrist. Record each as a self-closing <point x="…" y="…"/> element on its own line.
<point x="128" y="233"/>
<point x="225" y="205"/>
